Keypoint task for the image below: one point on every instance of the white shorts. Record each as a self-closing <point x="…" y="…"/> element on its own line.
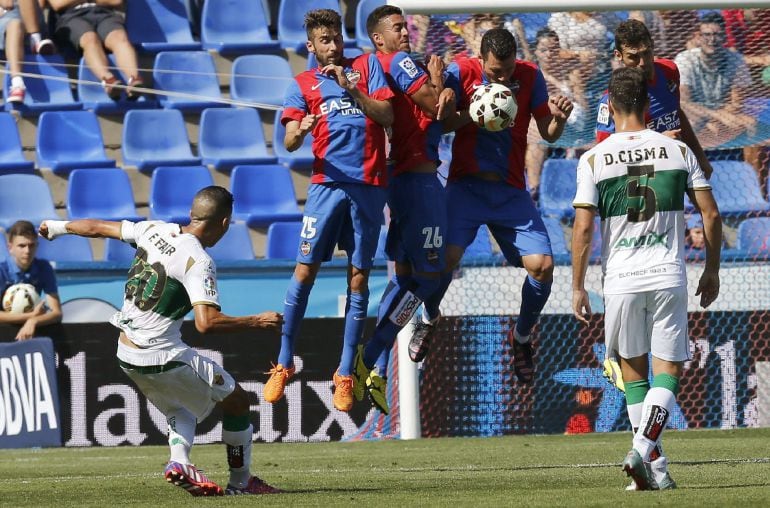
<point x="653" y="321"/>
<point x="196" y="385"/>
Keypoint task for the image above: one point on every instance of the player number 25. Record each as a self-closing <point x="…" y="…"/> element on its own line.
<point x="433" y="238"/>
<point x="308" y="227"/>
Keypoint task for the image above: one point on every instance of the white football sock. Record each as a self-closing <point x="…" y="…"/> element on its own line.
<point x="181" y="435"/>
<point x="655" y="414"/>
<point x="238" y="455"/>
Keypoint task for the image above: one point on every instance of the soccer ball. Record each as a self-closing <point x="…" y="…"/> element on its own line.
<point x="20" y="298"/>
<point x="493" y="107"/>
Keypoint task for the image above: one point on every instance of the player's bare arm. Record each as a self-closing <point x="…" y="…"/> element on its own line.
<point x="296" y="131"/>
<point x="552" y="126"/>
<point x="582" y="233"/>
<point x="688" y="137"/>
<point x="209" y="319"/>
<point x="379" y="111"/>
<point x="708" y="286"/>
<point x="91" y="228"/>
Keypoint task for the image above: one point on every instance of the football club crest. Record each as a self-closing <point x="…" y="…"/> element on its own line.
<point x="304" y="248"/>
<point x="432" y="256"/>
<point x="603" y="117"/>
<point x="353" y="76"/>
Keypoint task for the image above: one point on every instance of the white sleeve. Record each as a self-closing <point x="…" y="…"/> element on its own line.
<point x="696" y="178"/>
<point x="587" y="193"/>
<point x="128" y="232"/>
<point x="200" y="281"/>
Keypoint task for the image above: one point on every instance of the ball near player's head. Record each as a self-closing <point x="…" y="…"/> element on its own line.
<point x="387" y="29"/>
<point x="634" y="46"/>
<point x="324" y="36"/>
<point x="498" y="55"/>
<point x="628" y="93"/>
<point x="211" y="212"/>
<point x="22" y="243"/>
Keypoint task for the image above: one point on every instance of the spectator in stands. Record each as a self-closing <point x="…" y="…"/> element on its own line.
<point x="694" y="237"/>
<point x="22" y="267"/>
<point x="31" y="12"/>
<point x="12" y="41"/>
<point x="346" y="106"/>
<point x="92" y="27"/>
<point x="473" y="30"/>
<point x="713" y="85"/>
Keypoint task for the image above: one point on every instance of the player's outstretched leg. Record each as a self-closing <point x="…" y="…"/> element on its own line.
<point x="425" y="328"/>
<point x="368" y="380"/>
<point x="180" y="471"/>
<point x="534" y="295"/>
<point x="191" y="479"/>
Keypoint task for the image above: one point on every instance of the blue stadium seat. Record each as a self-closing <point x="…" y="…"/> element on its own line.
<point x="11" y="156"/>
<point x="263" y="194"/>
<point x="25" y="197"/>
<point x="282" y="240"/>
<point x="50" y="92"/>
<point x="118" y="251"/>
<point x="103" y="193"/>
<point x="236" y="26"/>
<point x="291" y="19"/>
<point x="481" y="245"/>
<point x="260" y="79"/>
<point x="188" y="72"/>
<point x="348" y="52"/>
<point x="234" y="246"/>
<point x="159" y="25"/>
<point x="172" y="190"/>
<point x="70" y="139"/>
<point x="3" y="247"/>
<point x="154" y="138"/>
<point x="93" y="96"/>
<point x="70" y="248"/>
<point x="736" y="188"/>
<point x="299" y="159"/>
<point x="557" y="187"/>
<point x="231" y="136"/>
<point x="754" y="236"/>
<point x="556" y="235"/>
<point x="364" y="8"/>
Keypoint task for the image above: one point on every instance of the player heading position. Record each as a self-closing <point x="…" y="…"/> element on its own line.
<point x="634" y="47"/>
<point x="416" y="198"/>
<point x="171" y="275"/>
<point x="637" y="179"/>
<point x="487" y="186"/>
<point x="345" y="103"/>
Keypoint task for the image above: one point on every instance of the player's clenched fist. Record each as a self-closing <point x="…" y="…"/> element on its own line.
<point x="338" y="73"/>
<point x="561" y="106"/>
<point x="270" y="320"/>
<point x="307" y="123"/>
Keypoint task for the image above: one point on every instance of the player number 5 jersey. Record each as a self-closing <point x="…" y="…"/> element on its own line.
<point x="637" y="181"/>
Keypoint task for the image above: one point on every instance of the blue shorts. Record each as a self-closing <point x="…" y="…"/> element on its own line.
<point x="509" y="213"/>
<point x="418" y="221"/>
<point x="344" y="214"/>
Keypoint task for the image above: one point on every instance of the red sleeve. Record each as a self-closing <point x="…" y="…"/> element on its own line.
<point x="290" y="114"/>
<point x="417" y="84"/>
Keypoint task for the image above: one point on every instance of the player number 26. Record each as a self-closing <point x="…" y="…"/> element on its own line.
<point x="433" y="238"/>
<point x="308" y="227"/>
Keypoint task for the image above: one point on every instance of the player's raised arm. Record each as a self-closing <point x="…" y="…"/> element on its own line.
<point x="296" y="132"/>
<point x="91" y="228"/>
<point x="209" y="319"/>
<point x="378" y="110"/>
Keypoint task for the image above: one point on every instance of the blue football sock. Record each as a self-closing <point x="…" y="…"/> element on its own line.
<point x="382" y="362"/>
<point x="294" y="308"/>
<point x="534" y="294"/>
<point x="431" y="306"/>
<point x="355" y="319"/>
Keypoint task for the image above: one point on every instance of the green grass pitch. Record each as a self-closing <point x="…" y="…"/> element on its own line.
<point x="712" y="468"/>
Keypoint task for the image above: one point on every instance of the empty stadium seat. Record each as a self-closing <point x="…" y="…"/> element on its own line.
<point x="103" y="193"/>
<point x="301" y="158"/>
<point x="172" y="190"/>
<point x="69" y="248"/>
<point x="263" y="194"/>
<point x="70" y="139"/>
<point x="754" y="236"/>
<point x="283" y="240"/>
<point x="235" y="26"/>
<point x="481" y="245"/>
<point x="557" y="187"/>
<point x="3" y="247"/>
<point x="260" y="79"/>
<point x="291" y="20"/>
<point x="118" y="251"/>
<point x="556" y="235"/>
<point x="154" y="138"/>
<point x="159" y="25"/>
<point x="348" y="52"/>
<point x="50" y="92"/>
<point x="93" y="96"/>
<point x="11" y="156"/>
<point x="234" y="246"/>
<point x="25" y="197"/>
<point x="736" y="188"/>
<point x="364" y="8"/>
<point x="187" y="72"/>
<point x="231" y="136"/>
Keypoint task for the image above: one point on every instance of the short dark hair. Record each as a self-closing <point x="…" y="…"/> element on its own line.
<point x="498" y="41"/>
<point x="712" y="17"/>
<point x="632" y="33"/>
<point x="628" y="90"/>
<point x="220" y="200"/>
<point x="380" y="13"/>
<point x="21" y="228"/>
<point x="322" y="18"/>
<point x="546" y="32"/>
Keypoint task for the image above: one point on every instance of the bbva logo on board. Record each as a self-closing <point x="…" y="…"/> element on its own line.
<point x="26" y="399"/>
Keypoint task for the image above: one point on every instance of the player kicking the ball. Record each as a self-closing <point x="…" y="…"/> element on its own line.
<point x="641" y="204"/>
<point x="171" y="275"/>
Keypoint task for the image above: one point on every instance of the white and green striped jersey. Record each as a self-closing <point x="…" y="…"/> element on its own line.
<point x="637" y="181"/>
<point x="170" y="273"/>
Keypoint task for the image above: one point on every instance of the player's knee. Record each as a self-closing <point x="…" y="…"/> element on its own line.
<point x="540" y="267"/>
<point x="237" y="403"/>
